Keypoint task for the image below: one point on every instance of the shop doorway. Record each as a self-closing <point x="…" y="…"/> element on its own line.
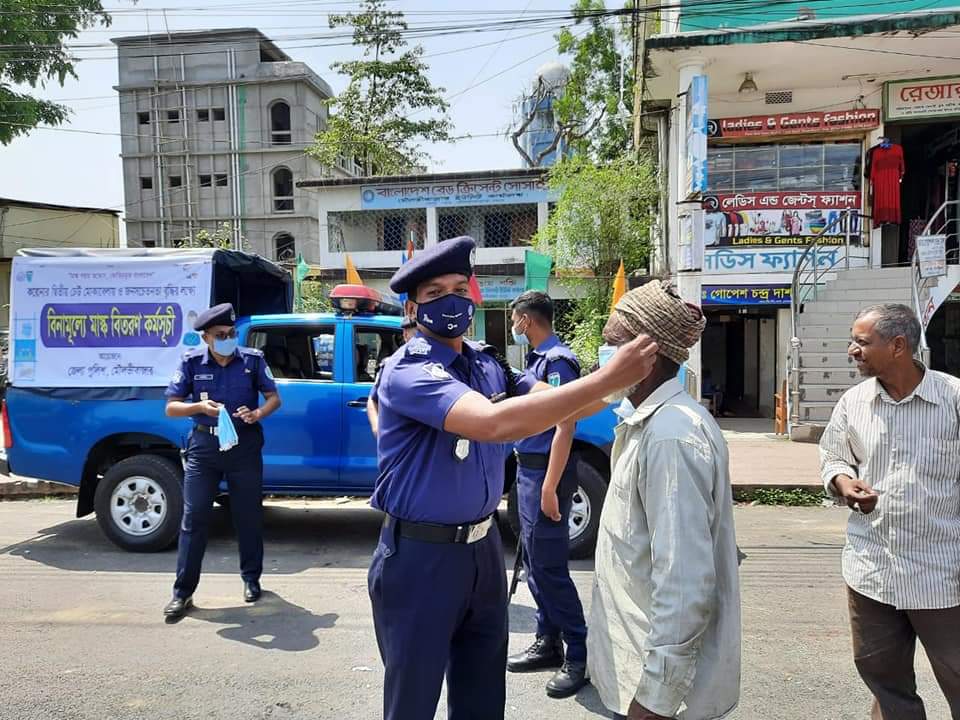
<point x="931" y="152"/>
<point x="739" y="361"/>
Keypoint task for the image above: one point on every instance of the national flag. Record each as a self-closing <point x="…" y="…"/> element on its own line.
<point x="353" y="277"/>
<point x="410" y="248"/>
<point x="475" y="290"/>
<point x="536" y="271"/>
<point x="619" y="286"/>
<point x="403" y="261"/>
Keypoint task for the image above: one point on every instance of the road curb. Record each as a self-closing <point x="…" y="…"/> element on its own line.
<point x="33" y="489"/>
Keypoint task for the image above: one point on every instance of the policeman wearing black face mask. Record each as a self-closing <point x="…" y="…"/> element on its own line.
<point x="437" y="580"/>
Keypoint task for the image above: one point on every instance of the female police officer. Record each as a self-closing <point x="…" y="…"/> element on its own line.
<point x="220" y="373"/>
<point x="437" y="580"/>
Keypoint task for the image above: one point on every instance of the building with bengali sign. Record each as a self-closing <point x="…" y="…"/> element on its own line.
<point x="372" y="219"/>
<point x="833" y="140"/>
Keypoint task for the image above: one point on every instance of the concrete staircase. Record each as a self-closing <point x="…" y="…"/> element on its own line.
<point x="823" y="328"/>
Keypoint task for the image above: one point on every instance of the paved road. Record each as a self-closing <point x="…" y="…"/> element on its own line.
<point x="82" y="635"/>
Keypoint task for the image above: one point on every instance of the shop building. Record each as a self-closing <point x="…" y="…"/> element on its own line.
<point x="782" y="144"/>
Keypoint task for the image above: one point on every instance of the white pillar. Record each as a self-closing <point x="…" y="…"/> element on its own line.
<point x="543" y="215"/>
<point x="433" y="227"/>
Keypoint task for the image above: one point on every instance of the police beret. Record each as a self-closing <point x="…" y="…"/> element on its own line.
<point x="217" y="315"/>
<point x="449" y="256"/>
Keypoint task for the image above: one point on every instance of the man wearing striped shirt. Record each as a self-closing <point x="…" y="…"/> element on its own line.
<point x="892" y="452"/>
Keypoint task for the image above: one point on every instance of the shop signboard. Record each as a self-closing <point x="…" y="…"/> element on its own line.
<point x="921" y="99"/>
<point x="691" y="222"/>
<point x="745" y="295"/>
<point x="794" y="123"/>
<point x="765" y="260"/>
<point x="500" y="288"/>
<point x="932" y="255"/>
<point x="764" y="219"/>
<point x="479" y="191"/>
<point x="695" y="165"/>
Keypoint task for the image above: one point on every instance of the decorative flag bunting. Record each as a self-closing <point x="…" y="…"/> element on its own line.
<point x="353" y="277"/>
<point x="619" y="286"/>
<point x="536" y="271"/>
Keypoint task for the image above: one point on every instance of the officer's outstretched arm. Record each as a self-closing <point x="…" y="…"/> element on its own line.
<point x="473" y="416"/>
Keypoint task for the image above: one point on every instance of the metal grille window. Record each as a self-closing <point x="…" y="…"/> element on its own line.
<point x="173" y="116"/>
<point x="220" y="179"/>
<point x="784" y="167"/>
<point x="779" y="97"/>
<point x="282" y="190"/>
<point x="285" y="248"/>
<point x="146" y="182"/>
<point x="377" y="230"/>
<point x="451" y="226"/>
<point x="206" y="181"/>
<point x="393" y="232"/>
<point x="280" y="133"/>
<point x="203" y="115"/>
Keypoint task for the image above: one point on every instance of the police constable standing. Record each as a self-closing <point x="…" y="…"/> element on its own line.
<point x="437" y="580"/>
<point x="546" y="482"/>
<point x="222" y="373"/>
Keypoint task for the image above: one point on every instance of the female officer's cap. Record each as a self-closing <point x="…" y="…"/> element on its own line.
<point x="449" y="256"/>
<point x="217" y="315"/>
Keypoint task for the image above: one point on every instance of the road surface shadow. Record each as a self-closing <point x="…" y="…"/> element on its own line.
<point x="589" y="699"/>
<point x="272" y="623"/>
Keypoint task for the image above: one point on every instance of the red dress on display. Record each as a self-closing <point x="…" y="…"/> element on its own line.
<point x="886" y="169"/>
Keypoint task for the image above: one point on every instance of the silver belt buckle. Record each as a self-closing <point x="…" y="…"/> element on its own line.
<point x="479" y="531"/>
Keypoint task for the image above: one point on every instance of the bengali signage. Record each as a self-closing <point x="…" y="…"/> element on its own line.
<point x="500" y="288"/>
<point x="780" y="218"/>
<point x="765" y="260"/>
<point x="745" y="295"/>
<point x="695" y="166"/>
<point x="928" y="98"/>
<point x="489" y="191"/>
<point x="794" y="123"/>
<point x="932" y="255"/>
<point x="87" y="322"/>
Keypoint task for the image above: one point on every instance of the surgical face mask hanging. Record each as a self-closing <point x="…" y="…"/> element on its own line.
<point x="226" y="431"/>
<point x="448" y="316"/>
<point x="520" y="338"/>
<point x="604" y="353"/>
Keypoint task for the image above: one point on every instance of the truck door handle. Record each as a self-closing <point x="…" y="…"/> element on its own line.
<point x="358" y="403"/>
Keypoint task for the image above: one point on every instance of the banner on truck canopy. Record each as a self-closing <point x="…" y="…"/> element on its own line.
<point x="90" y="322"/>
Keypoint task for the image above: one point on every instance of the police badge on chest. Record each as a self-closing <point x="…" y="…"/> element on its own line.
<point x="461" y="449"/>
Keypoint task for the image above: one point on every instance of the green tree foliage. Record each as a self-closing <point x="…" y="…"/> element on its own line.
<point x="32" y="33"/>
<point x="389" y="107"/>
<point x="219" y="239"/>
<point x="602" y="216"/>
<point x="596" y="106"/>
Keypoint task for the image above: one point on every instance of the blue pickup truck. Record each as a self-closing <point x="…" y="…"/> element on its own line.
<point x="121" y="451"/>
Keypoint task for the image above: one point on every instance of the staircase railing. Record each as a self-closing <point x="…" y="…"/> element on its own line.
<point x="940" y="223"/>
<point x="814" y="263"/>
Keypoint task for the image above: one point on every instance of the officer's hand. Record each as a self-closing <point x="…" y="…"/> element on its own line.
<point x="639" y="712"/>
<point x="634" y="361"/>
<point x="856" y="493"/>
<point x="549" y="504"/>
<point x="247" y="415"/>
<point x="209" y="408"/>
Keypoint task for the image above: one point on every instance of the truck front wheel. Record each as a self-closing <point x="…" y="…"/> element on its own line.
<point x="139" y="502"/>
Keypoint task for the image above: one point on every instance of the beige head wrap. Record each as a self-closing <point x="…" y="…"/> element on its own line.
<point x="656" y="310"/>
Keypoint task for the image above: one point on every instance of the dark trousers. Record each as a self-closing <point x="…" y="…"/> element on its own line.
<point x="546" y="550"/>
<point x="884" y="644"/>
<point x="242" y="466"/>
<point x="440" y="609"/>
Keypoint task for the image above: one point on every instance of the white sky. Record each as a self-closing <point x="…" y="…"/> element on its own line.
<point x="57" y="166"/>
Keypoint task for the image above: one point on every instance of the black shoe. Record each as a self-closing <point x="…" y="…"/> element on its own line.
<point x="545" y="653"/>
<point x="251" y="591"/>
<point x="568" y="680"/>
<point x="177" y="608"/>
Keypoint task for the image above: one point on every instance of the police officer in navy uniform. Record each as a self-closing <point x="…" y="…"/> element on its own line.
<point x="546" y="482"/>
<point x="220" y="374"/>
<point x="437" y="580"/>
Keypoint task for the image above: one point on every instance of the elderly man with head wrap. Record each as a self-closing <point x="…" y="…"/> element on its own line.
<point x="664" y="636"/>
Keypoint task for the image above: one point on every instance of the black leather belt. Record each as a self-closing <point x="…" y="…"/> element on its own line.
<point x="532" y="461"/>
<point x="433" y="533"/>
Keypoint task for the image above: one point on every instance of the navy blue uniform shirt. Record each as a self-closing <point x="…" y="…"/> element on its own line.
<point x="237" y="384"/>
<point x="421" y="478"/>
<point x="553" y="363"/>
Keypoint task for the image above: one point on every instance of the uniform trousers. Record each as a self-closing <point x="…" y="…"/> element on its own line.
<point x="440" y="609"/>
<point x="884" y="645"/>
<point x="206" y="466"/>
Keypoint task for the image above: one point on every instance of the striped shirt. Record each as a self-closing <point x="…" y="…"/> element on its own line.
<point x="905" y="553"/>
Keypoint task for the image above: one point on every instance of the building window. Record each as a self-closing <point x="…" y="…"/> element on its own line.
<point x="206" y="181"/>
<point x="143" y="118"/>
<point x="176" y="181"/>
<point x="451" y="226"/>
<point x="496" y="230"/>
<point x="280" y="124"/>
<point x="282" y="190"/>
<point x="146" y="182"/>
<point x="203" y="115"/>
<point x="394" y="229"/>
<point x="219" y="114"/>
<point x="785" y="167"/>
<point x="285" y="248"/>
<point x="173" y="116"/>
<point x="221" y="179"/>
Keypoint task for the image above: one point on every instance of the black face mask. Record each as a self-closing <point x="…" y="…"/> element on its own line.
<point x="448" y="316"/>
